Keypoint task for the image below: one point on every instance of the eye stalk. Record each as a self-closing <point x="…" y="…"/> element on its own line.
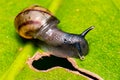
<point x="86" y="31"/>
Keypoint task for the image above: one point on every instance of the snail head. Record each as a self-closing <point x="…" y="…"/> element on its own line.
<point x="82" y="44"/>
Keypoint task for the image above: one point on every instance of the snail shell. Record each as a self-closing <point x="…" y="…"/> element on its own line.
<point x="32" y="19"/>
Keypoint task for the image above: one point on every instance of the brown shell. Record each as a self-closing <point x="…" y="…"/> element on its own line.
<point x="30" y="20"/>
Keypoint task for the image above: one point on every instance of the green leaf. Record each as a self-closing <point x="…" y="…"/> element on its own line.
<point x="75" y="16"/>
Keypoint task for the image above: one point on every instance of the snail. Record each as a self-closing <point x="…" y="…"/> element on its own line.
<point x="36" y="22"/>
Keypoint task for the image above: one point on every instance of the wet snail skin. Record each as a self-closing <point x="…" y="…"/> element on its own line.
<point x="36" y="22"/>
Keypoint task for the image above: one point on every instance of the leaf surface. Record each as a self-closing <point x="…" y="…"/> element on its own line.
<point x="75" y="16"/>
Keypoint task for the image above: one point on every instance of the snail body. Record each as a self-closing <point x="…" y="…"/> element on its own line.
<point x="36" y="22"/>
